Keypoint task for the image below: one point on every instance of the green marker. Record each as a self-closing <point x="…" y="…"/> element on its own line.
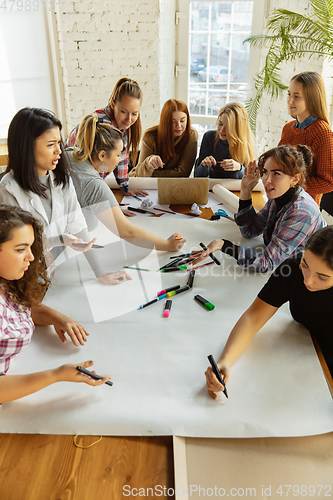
<point x="208" y="305"/>
<point x="172" y="269"/>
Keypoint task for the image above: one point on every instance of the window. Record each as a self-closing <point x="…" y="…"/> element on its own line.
<point x="28" y="73"/>
<point x="213" y="62"/>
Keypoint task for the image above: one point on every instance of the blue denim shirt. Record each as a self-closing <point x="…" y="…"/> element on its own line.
<point x="305" y="123"/>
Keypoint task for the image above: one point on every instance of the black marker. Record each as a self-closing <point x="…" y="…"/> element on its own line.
<point x="171" y="264"/>
<point x="217" y="373"/>
<point x="191" y="278"/>
<point x="83" y="245"/>
<point x="140" y="210"/>
<point x="182" y="255"/>
<point x="211" y="255"/>
<point x="92" y="375"/>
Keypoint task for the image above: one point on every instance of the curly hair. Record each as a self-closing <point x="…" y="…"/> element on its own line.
<point x="31" y="288"/>
<point x="293" y="160"/>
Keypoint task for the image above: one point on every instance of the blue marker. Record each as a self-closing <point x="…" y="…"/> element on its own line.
<point x="153" y="301"/>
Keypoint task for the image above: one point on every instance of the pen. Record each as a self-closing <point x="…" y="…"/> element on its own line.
<point x="167" y="211"/>
<point x="167" y="308"/>
<point x="136" y="268"/>
<point x="202" y="265"/>
<point x="92" y="374"/>
<point x="210" y="255"/>
<point x="182" y="255"/>
<point x="217" y="373"/>
<point x="82" y="245"/>
<point x="140" y="199"/>
<point x="153" y="301"/>
<point x="140" y="210"/>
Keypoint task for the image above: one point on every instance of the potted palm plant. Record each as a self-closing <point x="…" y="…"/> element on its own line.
<point x="290" y="35"/>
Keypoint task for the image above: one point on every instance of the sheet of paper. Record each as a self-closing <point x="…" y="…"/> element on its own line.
<point x="158" y="364"/>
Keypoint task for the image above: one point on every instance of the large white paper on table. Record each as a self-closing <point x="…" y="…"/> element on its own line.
<point x="276" y="388"/>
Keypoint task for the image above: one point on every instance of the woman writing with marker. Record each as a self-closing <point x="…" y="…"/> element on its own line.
<point x="224" y="151"/>
<point x="287" y="220"/>
<point x="306" y="282"/>
<point x="307" y="105"/>
<point x="123" y="112"/>
<point x="23" y="283"/>
<point x="99" y="145"/>
<point x="168" y="149"/>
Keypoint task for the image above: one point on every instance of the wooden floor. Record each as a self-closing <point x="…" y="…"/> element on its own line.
<point x="45" y="467"/>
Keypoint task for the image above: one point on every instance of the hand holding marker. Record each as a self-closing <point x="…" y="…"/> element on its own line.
<point x="212" y="256"/>
<point x="93" y="375"/>
<point x="217" y="373"/>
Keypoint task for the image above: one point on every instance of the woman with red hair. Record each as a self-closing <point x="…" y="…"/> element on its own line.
<point x="170" y="148"/>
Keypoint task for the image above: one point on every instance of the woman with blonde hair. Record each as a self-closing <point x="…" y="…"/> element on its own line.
<point x="123" y="112"/>
<point x="99" y="147"/>
<point x="168" y="149"/>
<point x="307" y="105"/>
<point x="224" y="151"/>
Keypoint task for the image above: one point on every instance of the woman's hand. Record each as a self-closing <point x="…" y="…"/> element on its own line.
<point x="231" y="165"/>
<point x="249" y="180"/>
<point x="200" y="255"/>
<point x="174" y="243"/>
<point x="64" y="324"/>
<point x="69" y="373"/>
<point x="209" y="161"/>
<point x="136" y="192"/>
<point x="128" y="213"/>
<point x="213" y="385"/>
<point x="115" y="278"/>
<point x="155" y="162"/>
<point x="69" y="239"/>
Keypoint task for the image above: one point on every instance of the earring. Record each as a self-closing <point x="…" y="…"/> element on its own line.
<point x="102" y="168"/>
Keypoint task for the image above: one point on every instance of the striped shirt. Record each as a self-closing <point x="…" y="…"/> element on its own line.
<point x="121" y="171"/>
<point x="16" y="329"/>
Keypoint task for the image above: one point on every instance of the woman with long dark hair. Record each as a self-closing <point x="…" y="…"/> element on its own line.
<point x="23" y="283"/>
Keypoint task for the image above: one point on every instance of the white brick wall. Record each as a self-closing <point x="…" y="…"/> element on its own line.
<point x="103" y="41"/>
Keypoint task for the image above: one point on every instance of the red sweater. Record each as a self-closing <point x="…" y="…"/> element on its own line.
<point x="319" y="137"/>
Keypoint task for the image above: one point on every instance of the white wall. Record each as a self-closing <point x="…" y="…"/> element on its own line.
<point x="101" y="41"/>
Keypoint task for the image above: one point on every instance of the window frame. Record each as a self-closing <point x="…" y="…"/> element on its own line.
<point x="182" y="70"/>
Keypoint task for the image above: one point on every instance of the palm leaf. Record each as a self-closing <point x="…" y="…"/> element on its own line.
<point x="289" y="36"/>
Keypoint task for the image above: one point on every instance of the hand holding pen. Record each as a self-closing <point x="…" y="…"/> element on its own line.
<point x="213" y="385"/>
<point x="200" y="255"/>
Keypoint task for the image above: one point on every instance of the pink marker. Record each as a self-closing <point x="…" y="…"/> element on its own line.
<point x="170" y="289"/>
<point x="167" y="308"/>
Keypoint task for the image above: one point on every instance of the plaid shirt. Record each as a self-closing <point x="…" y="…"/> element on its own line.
<point x="296" y="221"/>
<point x="121" y="171"/>
<point x="16" y="329"/>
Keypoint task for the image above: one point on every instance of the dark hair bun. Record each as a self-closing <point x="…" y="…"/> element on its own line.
<point x="307" y="154"/>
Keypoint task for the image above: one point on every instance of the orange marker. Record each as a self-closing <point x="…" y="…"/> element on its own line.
<point x="178" y="237"/>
